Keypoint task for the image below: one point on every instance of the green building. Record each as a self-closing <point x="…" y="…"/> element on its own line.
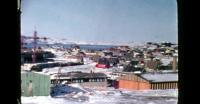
<point x="40" y="84"/>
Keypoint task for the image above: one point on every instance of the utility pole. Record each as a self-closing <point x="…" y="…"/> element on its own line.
<point x="58" y="75"/>
<point x="174" y="64"/>
<point x="34" y="46"/>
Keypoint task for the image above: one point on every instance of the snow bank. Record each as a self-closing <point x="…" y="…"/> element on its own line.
<point x="111" y="96"/>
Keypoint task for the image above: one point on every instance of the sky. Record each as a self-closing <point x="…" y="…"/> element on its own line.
<point x="116" y="21"/>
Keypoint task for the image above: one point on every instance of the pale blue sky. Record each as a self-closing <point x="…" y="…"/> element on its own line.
<point x="101" y="20"/>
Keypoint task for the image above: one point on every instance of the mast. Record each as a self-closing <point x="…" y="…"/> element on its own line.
<point x="34" y="46"/>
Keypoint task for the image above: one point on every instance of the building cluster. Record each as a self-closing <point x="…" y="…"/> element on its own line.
<point x="145" y="67"/>
<point x="150" y="57"/>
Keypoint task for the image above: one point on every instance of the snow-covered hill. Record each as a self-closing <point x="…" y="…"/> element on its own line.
<point x="71" y="41"/>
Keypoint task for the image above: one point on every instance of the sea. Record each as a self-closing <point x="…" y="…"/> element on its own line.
<point x="82" y="46"/>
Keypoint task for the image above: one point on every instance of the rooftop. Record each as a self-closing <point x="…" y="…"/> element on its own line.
<point x="160" y="77"/>
<point x="83" y="75"/>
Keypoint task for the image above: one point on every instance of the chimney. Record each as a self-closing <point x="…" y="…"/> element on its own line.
<point x="174" y="64"/>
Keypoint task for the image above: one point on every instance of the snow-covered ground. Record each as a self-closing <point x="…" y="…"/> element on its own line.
<point x="109" y="96"/>
<point x="90" y="66"/>
<point x="112" y="96"/>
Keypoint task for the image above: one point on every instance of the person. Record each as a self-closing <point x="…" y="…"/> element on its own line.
<point x="30" y="88"/>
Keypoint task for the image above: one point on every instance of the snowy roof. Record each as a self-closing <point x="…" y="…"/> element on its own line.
<point x="152" y="47"/>
<point x="83" y="75"/>
<point x="166" y="61"/>
<point x="161" y="77"/>
<point x="82" y="68"/>
<point x="25" y="71"/>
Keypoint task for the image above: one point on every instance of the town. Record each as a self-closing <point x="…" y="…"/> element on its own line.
<point x="57" y="71"/>
<point x="99" y="52"/>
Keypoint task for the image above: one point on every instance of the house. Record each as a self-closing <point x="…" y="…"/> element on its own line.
<point x="103" y="63"/>
<point x="148" y="81"/>
<point x="90" y="80"/>
<point x="74" y="58"/>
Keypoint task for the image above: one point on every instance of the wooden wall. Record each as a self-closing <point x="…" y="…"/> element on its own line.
<point x="134" y="82"/>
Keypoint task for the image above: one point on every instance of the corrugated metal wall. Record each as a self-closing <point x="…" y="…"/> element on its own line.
<point x="40" y="82"/>
<point x="164" y="85"/>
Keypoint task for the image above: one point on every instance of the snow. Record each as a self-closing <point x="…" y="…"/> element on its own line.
<point x="27" y="67"/>
<point x="166" y="61"/>
<point x="111" y="96"/>
<point x="44" y="100"/>
<point x="82" y="68"/>
<point x="165" y="77"/>
<point x="75" y="94"/>
<point x="79" y="95"/>
<point x="76" y="85"/>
